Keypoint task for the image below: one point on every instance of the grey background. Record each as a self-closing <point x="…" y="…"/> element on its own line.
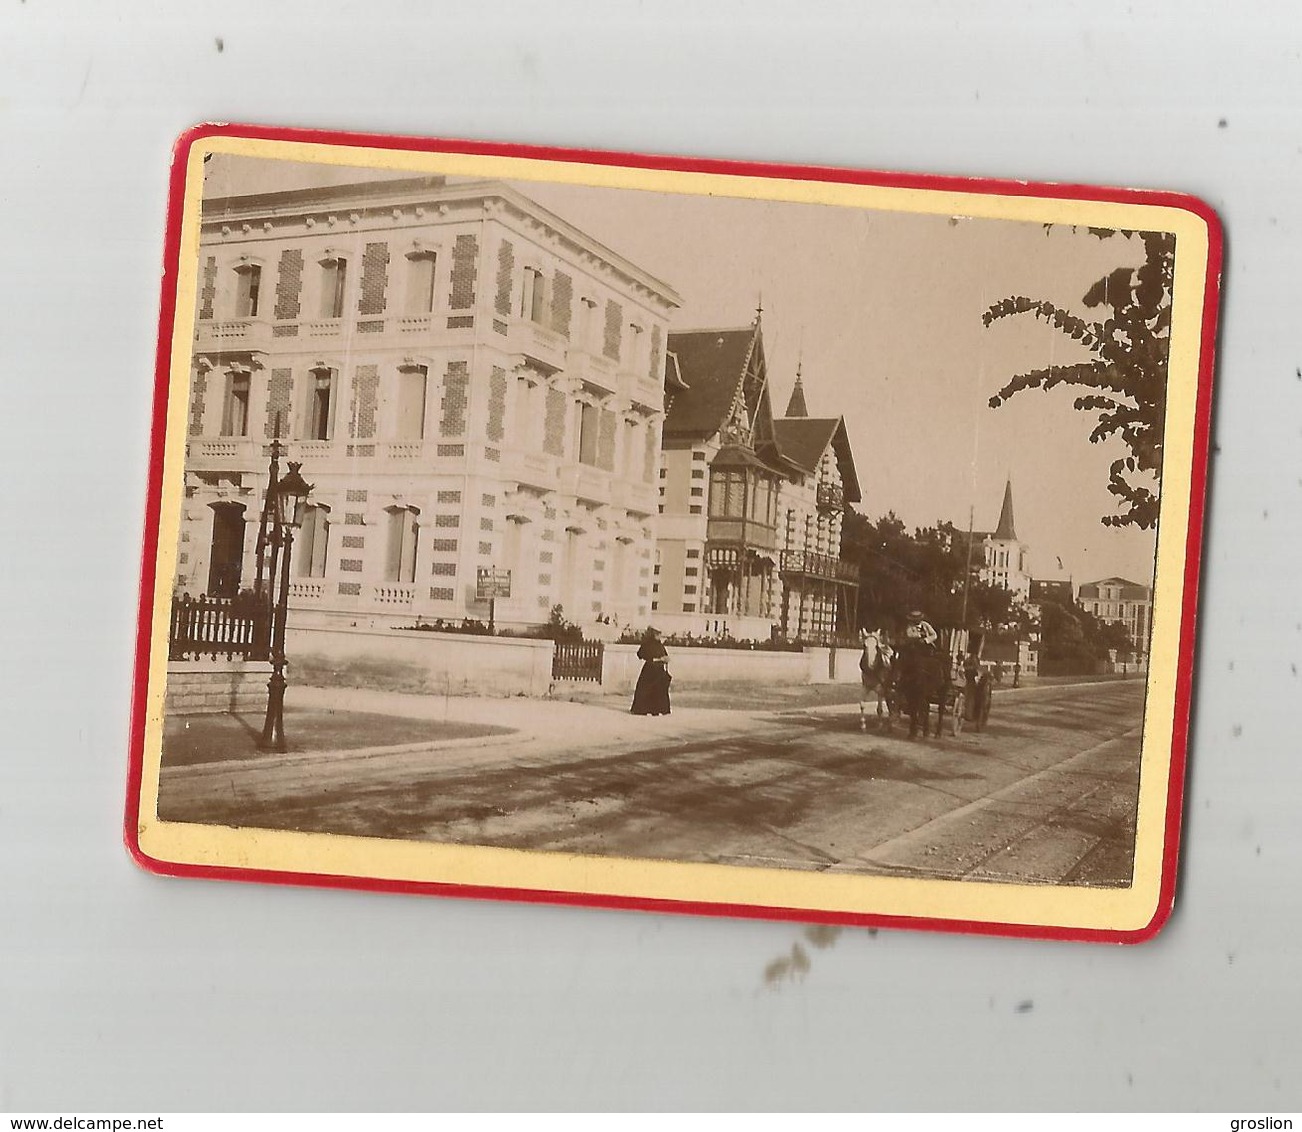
<point x="119" y="990"/>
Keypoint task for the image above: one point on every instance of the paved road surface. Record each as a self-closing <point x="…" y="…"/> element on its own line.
<point x="1046" y="794"/>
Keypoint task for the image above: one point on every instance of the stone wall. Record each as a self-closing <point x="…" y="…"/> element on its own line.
<point x="195" y="686"/>
<point x="405" y="660"/>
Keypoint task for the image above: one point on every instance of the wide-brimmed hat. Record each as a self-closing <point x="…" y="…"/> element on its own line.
<point x="916" y="615"/>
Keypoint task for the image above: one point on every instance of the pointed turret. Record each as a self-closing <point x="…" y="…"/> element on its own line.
<point x="796" y="406"/>
<point x="1005" y="529"/>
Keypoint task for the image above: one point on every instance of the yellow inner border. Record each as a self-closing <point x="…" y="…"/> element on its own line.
<point x="365" y="858"/>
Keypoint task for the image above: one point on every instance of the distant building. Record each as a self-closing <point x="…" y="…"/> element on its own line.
<point x="1003" y="554"/>
<point x="1061" y="592"/>
<point x="749" y="524"/>
<point x="469" y="381"/>
<point x="1123" y="602"/>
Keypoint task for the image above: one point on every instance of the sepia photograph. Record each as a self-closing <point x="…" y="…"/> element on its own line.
<point x="674" y="535"/>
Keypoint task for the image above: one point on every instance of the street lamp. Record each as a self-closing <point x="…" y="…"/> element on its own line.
<point x="287" y="505"/>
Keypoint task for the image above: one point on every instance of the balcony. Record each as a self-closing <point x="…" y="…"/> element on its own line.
<point x="322" y="328"/>
<point x="394" y="595"/>
<point x="830" y="497"/>
<point x="644" y="391"/>
<point x="251" y="335"/>
<point x="306" y="591"/>
<point x="241" y="450"/>
<point x="413" y="323"/>
<point x="741" y="533"/>
<point x="592" y="484"/>
<point x="532" y="469"/>
<point x="536" y="346"/>
<point x="806" y="564"/>
<point x="640" y="498"/>
<point x="598" y="372"/>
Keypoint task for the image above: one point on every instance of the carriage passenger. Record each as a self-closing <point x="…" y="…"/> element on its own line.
<point x="920" y="630"/>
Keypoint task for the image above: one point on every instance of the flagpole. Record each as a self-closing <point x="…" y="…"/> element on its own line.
<point x="967" y="577"/>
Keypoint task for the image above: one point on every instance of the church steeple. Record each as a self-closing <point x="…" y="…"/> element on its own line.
<point x="796" y="406"/>
<point x="1005" y="529"/>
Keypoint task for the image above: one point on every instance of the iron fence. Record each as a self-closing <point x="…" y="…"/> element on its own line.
<point x="215" y="626"/>
<point x="577" y="660"/>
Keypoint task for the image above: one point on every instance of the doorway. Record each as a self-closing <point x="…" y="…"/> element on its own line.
<point x="226" y="559"/>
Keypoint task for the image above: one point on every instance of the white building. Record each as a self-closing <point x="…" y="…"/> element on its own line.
<point x="1003" y="554"/>
<point x="468" y="380"/>
<point x="1120" y="601"/>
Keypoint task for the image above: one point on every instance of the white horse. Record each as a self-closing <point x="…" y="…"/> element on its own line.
<point x="875" y="672"/>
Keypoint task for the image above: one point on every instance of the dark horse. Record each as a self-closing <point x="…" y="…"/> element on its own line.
<point x="922" y="678"/>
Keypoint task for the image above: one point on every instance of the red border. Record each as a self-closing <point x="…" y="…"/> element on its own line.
<point x="1184" y="674"/>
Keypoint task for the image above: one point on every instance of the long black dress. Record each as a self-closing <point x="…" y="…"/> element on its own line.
<point x="651" y="696"/>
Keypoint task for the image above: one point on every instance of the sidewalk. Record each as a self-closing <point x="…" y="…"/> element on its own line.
<point x="327" y="724"/>
<point x="597" y="720"/>
<point x="333" y="724"/>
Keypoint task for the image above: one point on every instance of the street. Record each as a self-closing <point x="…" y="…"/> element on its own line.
<point x="1046" y="794"/>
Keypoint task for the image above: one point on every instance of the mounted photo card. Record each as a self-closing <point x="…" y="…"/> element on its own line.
<point x="673" y="534"/>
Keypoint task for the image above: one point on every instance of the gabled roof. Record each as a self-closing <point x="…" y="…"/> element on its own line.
<point x="803" y="440"/>
<point x="709" y="366"/>
<point x="1130" y="591"/>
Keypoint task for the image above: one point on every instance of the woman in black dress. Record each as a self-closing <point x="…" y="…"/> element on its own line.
<point x="651" y="696"/>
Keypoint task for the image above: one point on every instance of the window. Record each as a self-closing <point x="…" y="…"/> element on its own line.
<point x="334" y="280"/>
<point x="320" y="404"/>
<point x="235" y="410"/>
<point x="588" y="427"/>
<point x="728" y="494"/>
<point x="533" y="295"/>
<point x="248" y="283"/>
<point x="400" y="562"/>
<point x="420" y="282"/>
<point x="313" y="542"/>
<point x="697" y="473"/>
<point x="412" y="384"/>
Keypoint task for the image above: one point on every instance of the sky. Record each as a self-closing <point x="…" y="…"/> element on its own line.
<point x="882" y="312"/>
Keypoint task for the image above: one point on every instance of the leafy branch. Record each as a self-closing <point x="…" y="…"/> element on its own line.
<point x="1126" y="375"/>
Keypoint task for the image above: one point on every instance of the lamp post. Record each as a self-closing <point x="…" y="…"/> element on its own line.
<point x="287" y="505"/>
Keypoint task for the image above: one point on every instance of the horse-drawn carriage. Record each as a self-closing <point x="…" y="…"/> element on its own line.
<point x="911" y="679"/>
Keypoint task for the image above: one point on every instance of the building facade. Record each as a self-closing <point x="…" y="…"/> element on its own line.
<point x="819" y="591"/>
<point x="469" y="382"/>
<point x="748" y="532"/>
<point x="1121" y="602"/>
